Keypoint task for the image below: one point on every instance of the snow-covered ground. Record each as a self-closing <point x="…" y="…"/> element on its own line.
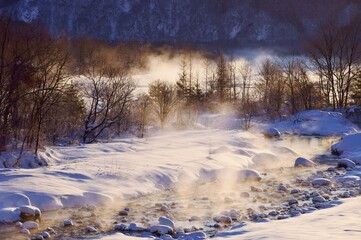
<point x="132" y="167"/>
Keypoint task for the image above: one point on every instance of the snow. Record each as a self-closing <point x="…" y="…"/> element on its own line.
<point x="340" y="222"/>
<point x="316" y="123"/>
<point x="102" y="173"/>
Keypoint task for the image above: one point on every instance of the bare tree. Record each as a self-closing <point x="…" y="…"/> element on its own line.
<point x="108" y="92"/>
<point x="163" y="95"/>
<point x="336" y="54"/>
<point x="142" y="113"/>
<point x="300" y="89"/>
<point x="271" y="88"/>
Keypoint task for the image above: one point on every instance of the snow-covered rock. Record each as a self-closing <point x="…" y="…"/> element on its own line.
<point x="166" y="221"/>
<point x="45" y="234"/>
<point x="123" y="213"/>
<point x="345" y="163"/>
<point x="272" y="133"/>
<point x="292" y="201"/>
<point x="228" y="199"/>
<point x="14" y="200"/>
<point x="30" y="225"/>
<point x="193" y="236"/>
<point x="68" y="223"/>
<point x="348" y="143"/>
<point x="91" y="229"/>
<point x="317" y="182"/>
<point x="223" y="219"/>
<point x="265" y="159"/>
<point x="161" y="229"/>
<point x="29" y="213"/>
<point x="249" y="175"/>
<point x="39" y="237"/>
<point x="8" y="215"/>
<point x="318" y="199"/>
<point x="24" y="231"/>
<point x="303" y="162"/>
<point x="135" y="228"/>
<point x="120" y="227"/>
<point x="316" y="122"/>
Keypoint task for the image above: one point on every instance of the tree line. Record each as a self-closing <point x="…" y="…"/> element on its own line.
<point x="62" y="91"/>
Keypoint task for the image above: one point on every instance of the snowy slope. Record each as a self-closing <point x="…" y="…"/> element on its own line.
<point x="316" y="123"/>
<point x="341" y="222"/>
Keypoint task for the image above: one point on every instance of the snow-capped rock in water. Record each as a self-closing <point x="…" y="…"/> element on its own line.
<point x="249" y="175"/>
<point x="346" y="163"/>
<point x="29" y="213"/>
<point x="272" y="133"/>
<point x="303" y="162"/>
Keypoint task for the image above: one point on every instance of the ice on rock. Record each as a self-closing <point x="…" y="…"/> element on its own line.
<point x="30" y="225"/>
<point x="166" y="221"/>
<point x="303" y="162"/>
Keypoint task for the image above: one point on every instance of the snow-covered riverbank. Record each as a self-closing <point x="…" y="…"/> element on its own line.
<point x="103" y="173"/>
